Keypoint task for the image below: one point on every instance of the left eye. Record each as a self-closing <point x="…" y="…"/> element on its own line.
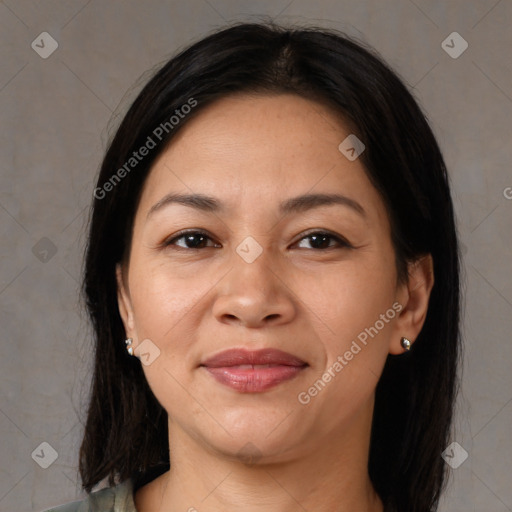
<point x="319" y="240"/>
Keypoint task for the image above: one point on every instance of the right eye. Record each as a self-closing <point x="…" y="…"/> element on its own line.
<point x="191" y="240"/>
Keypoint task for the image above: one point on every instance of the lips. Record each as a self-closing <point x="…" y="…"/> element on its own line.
<point x="236" y="357"/>
<point x="253" y="371"/>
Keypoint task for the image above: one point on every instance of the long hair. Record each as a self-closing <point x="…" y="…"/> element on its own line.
<point x="126" y="428"/>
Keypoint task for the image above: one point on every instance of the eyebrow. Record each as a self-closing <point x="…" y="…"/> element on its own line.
<point x="293" y="205"/>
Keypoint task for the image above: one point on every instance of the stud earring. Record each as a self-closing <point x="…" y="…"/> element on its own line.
<point x="129" y="346"/>
<point x="406" y="344"/>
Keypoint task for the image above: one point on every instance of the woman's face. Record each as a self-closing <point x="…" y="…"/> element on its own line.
<point x="256" y="277"/>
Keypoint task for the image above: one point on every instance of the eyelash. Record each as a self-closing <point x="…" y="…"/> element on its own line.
<point x="339" y="240"/>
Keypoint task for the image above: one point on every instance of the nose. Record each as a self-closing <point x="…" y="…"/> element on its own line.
<point x="255" y="295"/>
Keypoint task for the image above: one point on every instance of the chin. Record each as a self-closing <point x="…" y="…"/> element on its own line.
<point x="253" y="436"/>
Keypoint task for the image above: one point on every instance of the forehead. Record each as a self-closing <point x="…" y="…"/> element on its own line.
<point x="275" y="128"/>
<point x="254" y="150"/>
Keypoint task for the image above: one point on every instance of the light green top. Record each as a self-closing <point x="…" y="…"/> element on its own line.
<point x="109" y="499"/>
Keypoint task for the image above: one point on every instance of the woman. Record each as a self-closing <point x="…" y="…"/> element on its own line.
<point x="272" y="274"/>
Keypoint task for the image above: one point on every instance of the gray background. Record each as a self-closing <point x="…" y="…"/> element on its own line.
<point x="57" y="115"/>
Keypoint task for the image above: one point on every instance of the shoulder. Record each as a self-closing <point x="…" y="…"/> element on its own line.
<point x="109" y="499"/>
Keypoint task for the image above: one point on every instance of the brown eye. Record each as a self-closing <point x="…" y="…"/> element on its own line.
<point x="191" y="240"/>
<point x="322" y="240"/>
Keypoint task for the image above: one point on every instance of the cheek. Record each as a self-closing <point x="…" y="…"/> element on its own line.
<point x="355" y="305"/>
<point x="356" y="321"/>
<point x="160" y="301"/>
<point x="356" y="295"/>
<point x="169" y="308"/>
<point x="164" y="308"/>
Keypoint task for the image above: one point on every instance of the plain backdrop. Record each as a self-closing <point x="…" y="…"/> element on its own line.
<point x="57" y="114"/>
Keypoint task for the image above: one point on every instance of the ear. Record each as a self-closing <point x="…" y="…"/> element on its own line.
<point x="414" y="297"/>
<point x="124" y="303"/>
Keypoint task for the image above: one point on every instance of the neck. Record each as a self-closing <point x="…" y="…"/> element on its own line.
<point x="331" y="475"/>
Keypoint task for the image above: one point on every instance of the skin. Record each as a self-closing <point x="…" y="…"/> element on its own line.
<point x="251" y="153"/>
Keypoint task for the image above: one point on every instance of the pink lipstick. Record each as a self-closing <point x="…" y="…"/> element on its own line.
<point x="253" y="371"/>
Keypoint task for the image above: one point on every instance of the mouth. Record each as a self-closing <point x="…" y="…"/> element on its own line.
<point x="253" y="371"/>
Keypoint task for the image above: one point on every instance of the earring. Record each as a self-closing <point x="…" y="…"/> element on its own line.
<point x="406" y="344"/>
<point x="129" y="346"/>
